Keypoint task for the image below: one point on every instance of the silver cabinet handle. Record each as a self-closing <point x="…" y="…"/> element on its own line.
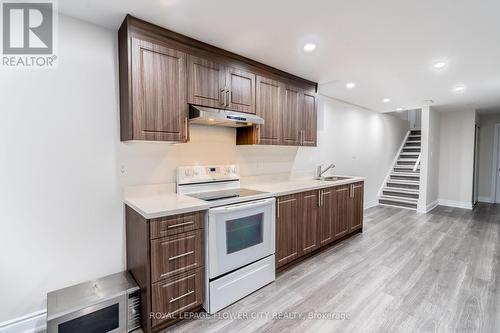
<point x="319" y="198"/>
<point x="181" y="255"/>
<point x="186" y="128"/>
<point x="222" y="96"/>
<point x="180" y="225"/>
<point x="228" y="95"/>
<point x="189" y="292"/>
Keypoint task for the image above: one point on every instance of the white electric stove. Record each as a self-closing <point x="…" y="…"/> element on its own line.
<point x="239" y="233"/>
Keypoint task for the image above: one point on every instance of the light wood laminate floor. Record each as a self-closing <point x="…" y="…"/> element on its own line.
<point x="407" y="272"/>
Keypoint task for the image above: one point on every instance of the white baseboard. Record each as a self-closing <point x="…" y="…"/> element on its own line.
<point x="485" y="199"/>
<point x="428" y="207"/>
<point x="32" y="323"/>
<point x="456" y="204"/>
<point x="370" y="204"/>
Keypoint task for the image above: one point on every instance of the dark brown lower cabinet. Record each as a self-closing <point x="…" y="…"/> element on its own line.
<point x="287" y="217"/>
<point x="341" y="208"/>
<point x="356" y="207"/>
<point x="165" y="256"/>
<point x="308" y="223"/>
<point x="326" y="224"/>
<point x="310" y="220"/>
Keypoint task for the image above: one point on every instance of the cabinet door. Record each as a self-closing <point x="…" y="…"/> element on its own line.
<point x="326" y="223"/>
<point x="309" y="119"/>
<point x="268" y="107"/>
<point x="356" y="211"/>
<point x="291" y="104"/>
<point x="341" y="210"/>
<point x="308" y="223"/>
<point x="287" y="245"/>
<point x="158" y="92"/>
<point x="206" y="82"/>
<point x="241" y="91"/>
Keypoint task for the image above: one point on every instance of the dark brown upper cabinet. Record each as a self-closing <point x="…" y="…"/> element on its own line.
<point x="215" y="85"/>
<point x="156" y="108"/>
<point x="268" y="107"/>
<point x="308" y="121"/>
<point x="291" y="115"/>
<point x="162" y="72"/>
<point x="206" y="82"/>
<point x="240" y="91"/>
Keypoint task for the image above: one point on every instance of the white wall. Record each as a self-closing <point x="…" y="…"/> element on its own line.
<point x="456" y="158"/>
<point x="61" y="219"/>
<point x="429" y="169"/>
<point x="486" y="144"/>
<point x="61" y="180"/>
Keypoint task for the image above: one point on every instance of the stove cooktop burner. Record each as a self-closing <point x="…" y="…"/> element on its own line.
<point x="225" y="194"/>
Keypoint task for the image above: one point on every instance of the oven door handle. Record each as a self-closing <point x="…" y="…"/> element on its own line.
<point x="243" y="206"/>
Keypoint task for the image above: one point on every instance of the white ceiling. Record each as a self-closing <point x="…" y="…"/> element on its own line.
<point x="387" y="47"/>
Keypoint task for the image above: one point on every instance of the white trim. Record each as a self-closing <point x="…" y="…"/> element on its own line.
<point x="428" y="208"/>
<point x="456" y="204"/>
<point x="485" y="199"/>
<point x="370" y="204"/>
<point x="30" y="323"/>
<point x="391" y="169"/>
<point x="495" y="165"/>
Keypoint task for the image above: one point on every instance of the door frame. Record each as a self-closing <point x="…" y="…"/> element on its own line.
<point x="475" y="167"/>
<point x="495" y="165"/>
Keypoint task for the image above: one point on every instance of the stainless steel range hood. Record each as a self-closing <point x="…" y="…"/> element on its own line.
<point x="216" y="117"/>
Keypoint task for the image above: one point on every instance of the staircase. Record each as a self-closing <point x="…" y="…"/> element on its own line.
<point x="402" y="187"/>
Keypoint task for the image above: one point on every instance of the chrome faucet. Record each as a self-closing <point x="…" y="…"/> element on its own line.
<point x="320" y="172"/>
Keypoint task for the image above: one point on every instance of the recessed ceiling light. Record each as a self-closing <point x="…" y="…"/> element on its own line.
<point x="399" y="109"/>
<point x="350" y="85"/>
<point x="439" y="65"/>
<point x="309" y="47"/>
<point x="386" y="100"/>
<point x="459" y="88"/>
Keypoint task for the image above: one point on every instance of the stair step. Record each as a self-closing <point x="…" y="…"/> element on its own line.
<point x="405" y="184"/>
<point x="417" y="132"/>
<point x="406" y="174"/>
<point x="399" y="199"/>
<point x="401" y="192"/>
<point x="412" y="144"/>
<point x="407" y="161"/>
<point x="406" y="169"/>
<point x="397" y="204"/>
<point x="410" y="149"/>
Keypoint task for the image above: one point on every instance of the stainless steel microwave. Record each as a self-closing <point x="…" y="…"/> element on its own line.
<point x="107" y="305"/>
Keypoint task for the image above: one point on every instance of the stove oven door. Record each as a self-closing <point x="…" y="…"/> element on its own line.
<point x="239" y="235"/>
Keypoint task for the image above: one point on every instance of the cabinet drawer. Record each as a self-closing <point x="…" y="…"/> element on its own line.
<point x="176" y="254"/>
<point x="172" y="225"/>
<point x="178" y="294"/>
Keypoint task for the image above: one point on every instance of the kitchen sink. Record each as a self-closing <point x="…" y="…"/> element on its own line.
<point x="334" y="178"/>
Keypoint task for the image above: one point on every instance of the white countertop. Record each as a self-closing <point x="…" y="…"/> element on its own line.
<point x="159" y="200"/>
<point x="152" y="203"/>
<point x="279" y="187"/>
